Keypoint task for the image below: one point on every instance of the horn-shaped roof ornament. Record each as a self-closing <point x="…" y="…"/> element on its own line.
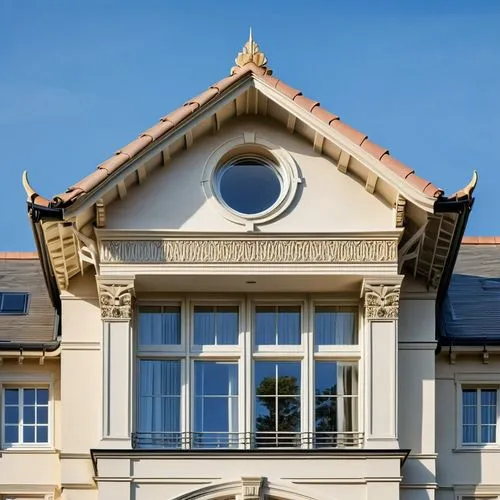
<point x="466" y="192"/>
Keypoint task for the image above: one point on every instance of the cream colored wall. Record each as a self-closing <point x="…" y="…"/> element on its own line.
<point x="416" y="391"/>
<point x="172" y="197"/>
<point x="321" y="478"/>
<point x="460" y="469"/>
<point x="34" y="471"/>
<point x="81" y="387"/>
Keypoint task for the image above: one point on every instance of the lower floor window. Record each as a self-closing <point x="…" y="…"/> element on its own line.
<point x="209" y="411"/>
<point x="25" y="416"/>
<point x="479" y="416"/>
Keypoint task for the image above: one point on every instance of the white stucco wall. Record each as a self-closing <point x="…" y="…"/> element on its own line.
<point x="416" y="392"/>
<point x="172" y="197"/>
<point x="460" y="468"/>
<point x="81" y="387"/>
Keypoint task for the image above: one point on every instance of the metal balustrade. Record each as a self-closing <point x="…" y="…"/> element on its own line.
<point x="246" y="440"/>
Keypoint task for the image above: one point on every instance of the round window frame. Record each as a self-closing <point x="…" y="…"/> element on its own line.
<point x="250" y="146"/>
<point x="231" y="163"/>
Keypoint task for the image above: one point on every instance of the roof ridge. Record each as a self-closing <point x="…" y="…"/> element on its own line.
<point x="481" y="240"/>
<point x="171" y="121"/>
<point x="19" y="256"/>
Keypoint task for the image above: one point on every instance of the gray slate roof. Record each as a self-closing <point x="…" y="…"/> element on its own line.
<point x="25" y="275"/>
<point x="471" y="309"/>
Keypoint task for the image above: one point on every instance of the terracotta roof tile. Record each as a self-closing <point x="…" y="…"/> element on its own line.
<point x="135" y="146"/>
<point x="374" y="149"/>
<point x="204" y="97"/>
<point x="351" y="133"/>
<point x="18" y="255"/>
<point x="418" y="182"/>
<point x="287" y="90"/>
<point x="433" y="191"/>
<point x="271" y="80"/>
<point x="111" y="164"/>
<point x="324" y="115"/>
<point x="305" y="102"/>
<point x="91" y="181"/>
<point x="156" y="131"/>
<point x="68" y="196"/>
<point x="225" y="83"/>
<point x="396" y="166"/>
<point x="171" y="120"/>
<point x="40" y="201"/>
<point x="481" y="240"/>
<point x="180" y="114"/>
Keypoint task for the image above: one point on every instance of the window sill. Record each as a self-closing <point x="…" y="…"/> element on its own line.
<point x="478" y="449"/>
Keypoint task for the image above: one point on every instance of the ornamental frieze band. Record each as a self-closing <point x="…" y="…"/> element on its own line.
<point x="248" y="251"/>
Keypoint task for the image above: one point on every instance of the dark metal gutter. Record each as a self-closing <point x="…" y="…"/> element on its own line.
<point x="463" y="209"/>
<point x="50" y="346"/>
<point x="38" y="213"/>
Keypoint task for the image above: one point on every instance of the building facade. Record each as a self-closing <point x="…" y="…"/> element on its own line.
<point x="255" y="301"/>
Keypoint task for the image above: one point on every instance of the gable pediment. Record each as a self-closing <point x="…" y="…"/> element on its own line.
<point x="173" y="195"/>
<point x="348" y="182"/>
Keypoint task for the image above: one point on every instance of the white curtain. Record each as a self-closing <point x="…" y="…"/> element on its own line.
<point x="159" y="326"/>
<point x="216" y="325"/>
<point x="159" y="399"/>
<point x="288" y="325"/>
<point x="334" y="326"/>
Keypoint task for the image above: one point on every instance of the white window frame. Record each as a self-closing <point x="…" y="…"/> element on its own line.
<point x="246" y="353"/>
<point x="476" y="381"/>
<point x="28" y="381"/>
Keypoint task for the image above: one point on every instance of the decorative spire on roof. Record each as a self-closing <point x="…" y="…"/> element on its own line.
<point x="250" y="53"/>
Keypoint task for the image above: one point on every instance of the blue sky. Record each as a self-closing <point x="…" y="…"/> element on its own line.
<point x="80" y="79"/>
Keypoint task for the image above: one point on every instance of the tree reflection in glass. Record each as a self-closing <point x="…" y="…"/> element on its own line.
<point x="336" y="409"/>
<point x="277" y="403"/>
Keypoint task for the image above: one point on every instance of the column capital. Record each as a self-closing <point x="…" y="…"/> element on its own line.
<point x="381" y="297"/>
<point x="115" y="297"/>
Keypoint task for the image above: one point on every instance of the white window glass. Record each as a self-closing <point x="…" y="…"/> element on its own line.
<point x="26" y="416"/>
<point x="336" y="405"/>
<point x="277" y="325"/>
<point x="479" y="416"/>
<point x="159" y="403"/>
<point x="216" y="325"/>
<point x="159" y="325"/>
<point x="215" y="404"/>
<point x="334" y="325"/>
<point x="277" y="403"/>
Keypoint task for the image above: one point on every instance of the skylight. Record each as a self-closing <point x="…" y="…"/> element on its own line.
<point x="13" y="303"/>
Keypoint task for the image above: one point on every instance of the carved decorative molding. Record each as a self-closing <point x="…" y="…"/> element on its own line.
<point x="115" y="299"/>
<point x="248" y="251"/>
<point x="382" y="301"/>
<point x="252" y="488"/>
<point x="400" y="207"/>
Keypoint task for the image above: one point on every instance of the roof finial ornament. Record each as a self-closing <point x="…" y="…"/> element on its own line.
<point x="251" y="53"/>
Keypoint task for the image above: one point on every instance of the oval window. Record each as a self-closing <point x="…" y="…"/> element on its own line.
<point x="249" y="185"/>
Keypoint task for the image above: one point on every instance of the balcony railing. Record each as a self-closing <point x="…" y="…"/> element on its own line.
<point x="246" y="440"/>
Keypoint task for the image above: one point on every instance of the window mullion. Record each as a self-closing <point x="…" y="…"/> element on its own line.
<point x="478" y="416"/>
<point x="20" y="402"/>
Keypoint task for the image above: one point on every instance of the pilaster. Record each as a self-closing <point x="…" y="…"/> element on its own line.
<point x="381" y="309"/>
<point x="115" y="300"/>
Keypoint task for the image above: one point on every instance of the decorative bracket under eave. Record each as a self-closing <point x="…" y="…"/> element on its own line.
<point x="87" y="251"/>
